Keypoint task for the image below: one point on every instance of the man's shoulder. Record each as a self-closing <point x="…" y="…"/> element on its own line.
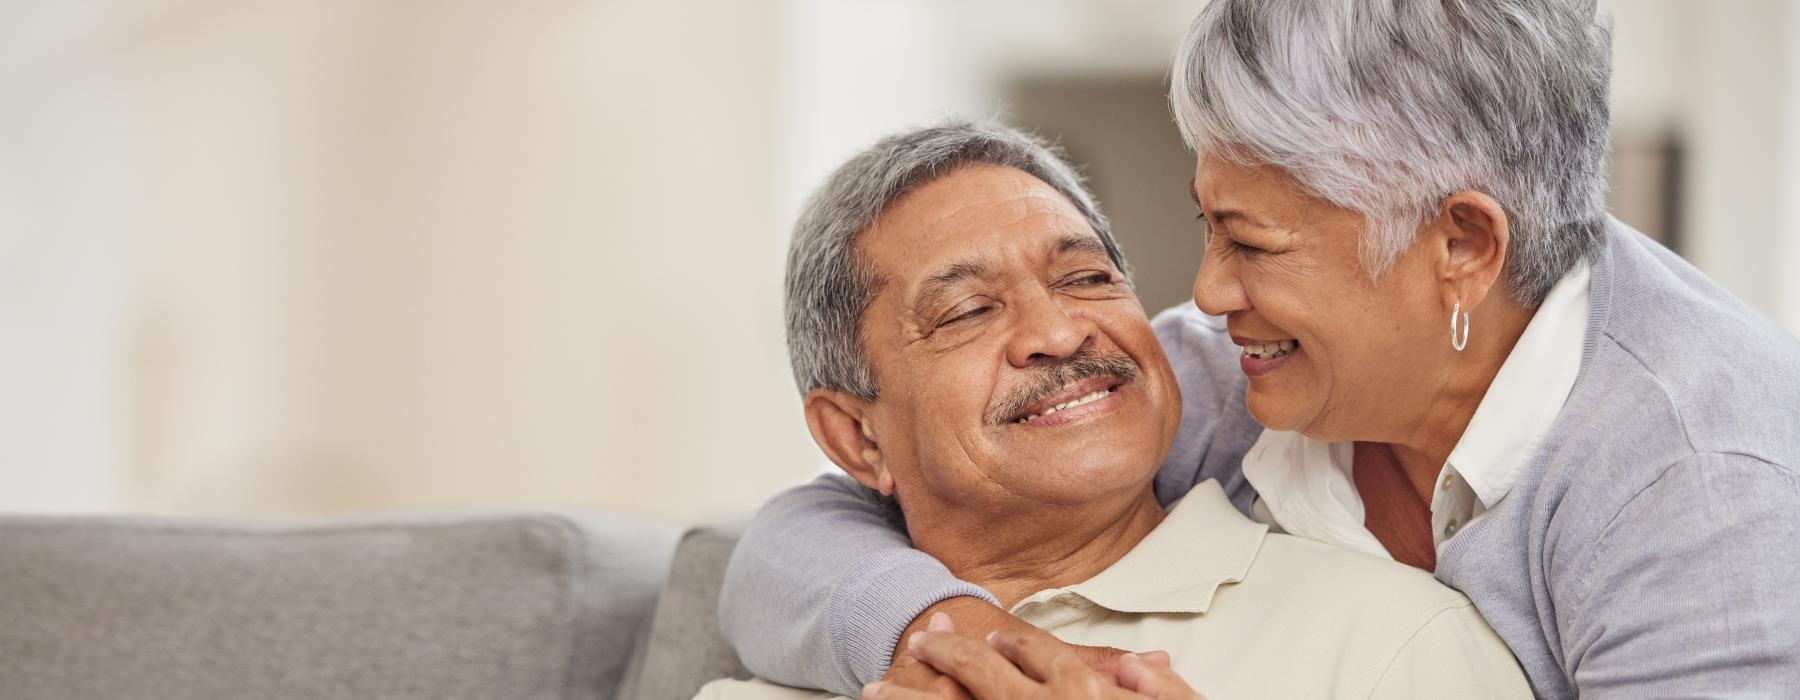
<point x="1379" y="623"/>
<point x="1306" y="570"/>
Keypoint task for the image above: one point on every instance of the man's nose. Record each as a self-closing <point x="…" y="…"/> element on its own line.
<point x="1046" y="332"/>
<point x="1218" y="290"/>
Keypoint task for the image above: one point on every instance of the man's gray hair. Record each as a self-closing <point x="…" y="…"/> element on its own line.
<point x="1387" y="107"/>
<point x="829" y="286"/>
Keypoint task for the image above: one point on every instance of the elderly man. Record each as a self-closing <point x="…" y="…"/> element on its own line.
<point x="969" y="346"/>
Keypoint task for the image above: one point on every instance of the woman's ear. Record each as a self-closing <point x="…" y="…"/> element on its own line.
<point x="840" y="424"/>
<point x="1475" y="234"/>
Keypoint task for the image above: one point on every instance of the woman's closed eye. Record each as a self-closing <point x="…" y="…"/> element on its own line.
<point x="1214" y="236"/>
<point x="1233" y="245"/>
<point x="1244" y="248"/>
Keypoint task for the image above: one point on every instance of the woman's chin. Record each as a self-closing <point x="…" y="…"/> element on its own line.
<point x="1274" y="411"/>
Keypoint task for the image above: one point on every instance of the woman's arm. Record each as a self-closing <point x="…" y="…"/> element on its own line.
<point x="822" y="584"/>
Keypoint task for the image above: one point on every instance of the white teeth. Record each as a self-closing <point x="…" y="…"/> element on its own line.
<point x="1090" y="398"/>
<point x="1270" y="351"/>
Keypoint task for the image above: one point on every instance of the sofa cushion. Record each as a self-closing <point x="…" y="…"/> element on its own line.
<point x="684" y="649"/>
<point x="515" y="606"/>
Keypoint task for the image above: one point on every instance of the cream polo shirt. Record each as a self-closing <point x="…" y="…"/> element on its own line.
<point x="1250" y="614"/>
<point x="1304" y="486"/>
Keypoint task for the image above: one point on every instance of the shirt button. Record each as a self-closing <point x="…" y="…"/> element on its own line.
<point x="1448" y="478"/>
<point x="1450" y="530"/>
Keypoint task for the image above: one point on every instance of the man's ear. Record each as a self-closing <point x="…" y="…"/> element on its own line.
<point x="1474" y="234"/>
<point x="840" y="425"/>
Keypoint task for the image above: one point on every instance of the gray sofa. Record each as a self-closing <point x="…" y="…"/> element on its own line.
<point x="531" y="605"/>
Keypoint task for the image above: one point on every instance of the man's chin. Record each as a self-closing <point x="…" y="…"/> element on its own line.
<point x="1090" y="460"/>
<point x="1096" y="485"/>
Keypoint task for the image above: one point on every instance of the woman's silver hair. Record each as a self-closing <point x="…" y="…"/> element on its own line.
<point x="829" y="287"/>
<point x="1387" y="107"/>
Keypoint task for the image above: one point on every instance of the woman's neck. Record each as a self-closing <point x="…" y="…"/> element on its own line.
<point x="1440" y="419"/>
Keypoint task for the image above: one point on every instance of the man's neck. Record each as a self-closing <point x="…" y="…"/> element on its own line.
<point x="1016" y="555"/>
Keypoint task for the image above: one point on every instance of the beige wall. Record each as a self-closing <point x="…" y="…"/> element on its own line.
<point x="1741" y="112"/>
<point x="380" y="257"/>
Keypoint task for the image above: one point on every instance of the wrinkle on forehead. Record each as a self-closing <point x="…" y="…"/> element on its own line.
<point x="1005" y="197"/>
<point x="974" y="199"/>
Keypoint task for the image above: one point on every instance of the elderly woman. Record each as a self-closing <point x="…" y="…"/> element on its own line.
<point x="1460" y="360"/>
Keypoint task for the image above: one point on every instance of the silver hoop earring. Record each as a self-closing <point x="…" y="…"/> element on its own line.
<point x="1455" y="342"/>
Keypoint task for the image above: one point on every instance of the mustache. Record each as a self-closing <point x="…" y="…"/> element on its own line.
<point x="1053" y="378"/>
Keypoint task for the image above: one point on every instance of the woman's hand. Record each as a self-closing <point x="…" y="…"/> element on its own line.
<point x="1032" y="664"/>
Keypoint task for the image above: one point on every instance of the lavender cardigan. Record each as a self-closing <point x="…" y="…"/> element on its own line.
<point x="1651" y="549"/>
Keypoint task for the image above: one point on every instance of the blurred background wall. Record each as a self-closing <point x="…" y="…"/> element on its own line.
<point x="272" y="257"/>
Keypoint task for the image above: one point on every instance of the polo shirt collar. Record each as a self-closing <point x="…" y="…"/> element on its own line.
<point x="1202" y="544"/>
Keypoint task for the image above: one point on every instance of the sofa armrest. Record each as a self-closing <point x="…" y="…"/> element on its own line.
<point x="684" y="649"/>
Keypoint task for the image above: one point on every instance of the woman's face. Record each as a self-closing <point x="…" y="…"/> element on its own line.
<point x="1329" y="352"/>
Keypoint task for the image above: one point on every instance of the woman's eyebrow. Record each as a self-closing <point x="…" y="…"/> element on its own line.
<point x="1217" y="215"/>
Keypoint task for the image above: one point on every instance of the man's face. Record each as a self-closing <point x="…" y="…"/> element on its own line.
<point x="999" y="305"/>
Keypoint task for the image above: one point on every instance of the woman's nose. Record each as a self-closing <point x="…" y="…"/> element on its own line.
<point x="1217" y="288"/>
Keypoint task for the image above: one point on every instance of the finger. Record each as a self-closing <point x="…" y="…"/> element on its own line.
<point x="1103" y="660"/>
<point x="983" y="671"/>
<point x="947" y="688"/>
<point x="1159" y="682"/>
<point x="940" y="623"/>
<point x="1039" y="654"/>
<point x="1156" y="658"/>
<point x="881" y="690"/>
<point x="908" y="672"/>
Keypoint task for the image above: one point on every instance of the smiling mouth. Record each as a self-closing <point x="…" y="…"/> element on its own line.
<point x="1080" y="401"/>
<point x="1271" y="350"/>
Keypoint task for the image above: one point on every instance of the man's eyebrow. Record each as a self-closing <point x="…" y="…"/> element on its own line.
<point x="940" y="284"/>
<point x="1081" y="244"/>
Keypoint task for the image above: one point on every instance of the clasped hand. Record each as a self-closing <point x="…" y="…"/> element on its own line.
<point x="1021" y="663"/>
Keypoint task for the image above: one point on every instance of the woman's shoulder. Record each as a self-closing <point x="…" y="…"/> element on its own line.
<point x="1674" y="368"/>
<point x="1673" y="354"/>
